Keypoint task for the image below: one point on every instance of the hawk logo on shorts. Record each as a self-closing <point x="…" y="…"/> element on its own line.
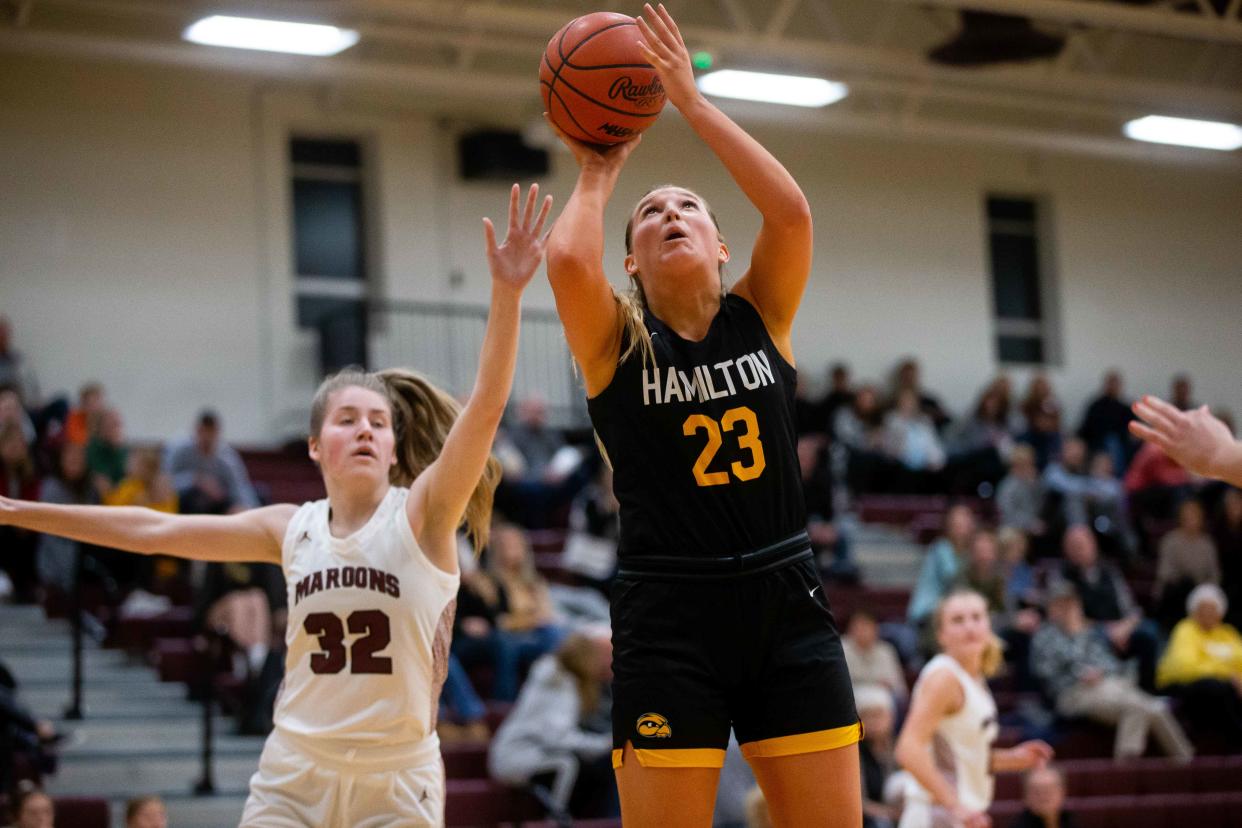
<point x="654" y="726"/>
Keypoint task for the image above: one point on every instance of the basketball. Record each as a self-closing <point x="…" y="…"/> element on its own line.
<point x="597" y="87"/>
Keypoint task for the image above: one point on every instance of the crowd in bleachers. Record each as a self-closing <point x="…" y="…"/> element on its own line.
<point x="1110" y="573"/>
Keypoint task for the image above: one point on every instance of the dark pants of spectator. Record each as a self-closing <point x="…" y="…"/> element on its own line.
<point x="965" y="472"/>
<point x="459" y="696"/>
<point x="1171" y="602"/>
<point x="1144" y="646"/>
<point x="18" y="560"/>
<point x="1018" y="655"/>
<point x="194" y="501"/>
<point x="1154" y="508"/>
<point x="538" y="504"/>
<point x="595" y="793"/>
<point x="1212" y="706"/>
<point x="515" y="651"/>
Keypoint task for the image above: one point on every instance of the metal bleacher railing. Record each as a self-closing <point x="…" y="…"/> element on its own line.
<point x="443" y="341"/>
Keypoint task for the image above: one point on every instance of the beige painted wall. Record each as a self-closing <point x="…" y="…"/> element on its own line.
<point x="144" y="241"/>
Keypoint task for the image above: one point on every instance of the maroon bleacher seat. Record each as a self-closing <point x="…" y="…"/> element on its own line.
<point x="465" y="760"/>
<point x="82" y="812"/>
<point x="482" y="802"/>
<point x="138" y="635"/>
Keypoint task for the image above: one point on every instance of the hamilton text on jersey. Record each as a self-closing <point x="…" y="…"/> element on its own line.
<point x="707" y="382"/>
<point x="356" y="577"/>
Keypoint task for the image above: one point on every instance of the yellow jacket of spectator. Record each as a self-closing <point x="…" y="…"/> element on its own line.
<point x="133" y="492"/>
<point x="1195" y="653"/>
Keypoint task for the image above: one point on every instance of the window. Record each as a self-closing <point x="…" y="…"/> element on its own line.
<point x="1021" y="299"/>
<point x="329" y="247"/>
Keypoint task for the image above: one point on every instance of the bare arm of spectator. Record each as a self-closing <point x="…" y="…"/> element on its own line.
<point x="1197" y="440"/>
<point x="253" y="536"/>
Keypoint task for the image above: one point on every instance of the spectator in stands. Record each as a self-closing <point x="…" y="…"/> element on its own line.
<point x="15" y="373"/>
<point x="907" y="377"/>
<point x="1067" y="483"/>
<point x="809" y="412"/>
<point x="542" y="472"/>
<point x="829" y="542"/>
<point x="1227" y="533"/>
<point x="1187" y="558"/>
<point x="207" y="473"/>
<point x="940" y="568"/>
<point x="525" y="625"/>
<point x="1043" y="794"/>
<point x="106" y="454"/>
<point x="70" y="483"/>
<point x="12" y="413"/>
<point x="1079" y="671"/>
<point x="18" y="479"/>
<point x="1203" y="666"/>
<point x="1106" y="423"/>
<point x="1107" y="599"/>
<point x="910" y="436"/>
<point x="83" y="421"/>
<point x="146" y="812"/>
<point x="979" y="445"/>
<point x="1021" y="588"/>
<point x="1156" y="484"/>
<point x="1108" y="508"/>
<point x="235" y="601"/>
<point x="1020" y="496"/>
<point x="560" y="725"/>
<point x="1002" y="388"/>
<point x="982" y="572"/>
<point x="877" y="714"/>
<point x="32" y="808"/>
<point x="460" y="699"/>
<point x="872" y="661"/>
<point x="858" y="425"/>
<point x="1181" y="393"/>
<point x="595" y="528"/>
<point x="1041" y="412"/>
<point x="144" y="484"/>
<point x="22" y="734"/>
<point x="840" y="394"/>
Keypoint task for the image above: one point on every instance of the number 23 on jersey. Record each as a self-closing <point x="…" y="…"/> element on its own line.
<point x="740" y="420"/>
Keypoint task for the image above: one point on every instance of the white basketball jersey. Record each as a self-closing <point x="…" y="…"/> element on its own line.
<point x="962" y="744"/>
<point x="370" y="621"/>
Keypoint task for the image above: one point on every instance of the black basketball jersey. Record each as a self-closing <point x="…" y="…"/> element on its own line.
<point x="703" y="445"/>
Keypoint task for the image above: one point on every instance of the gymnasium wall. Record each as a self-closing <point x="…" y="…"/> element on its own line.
<point x="144" y="242"/>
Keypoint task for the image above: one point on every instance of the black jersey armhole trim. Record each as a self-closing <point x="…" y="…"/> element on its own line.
<point x="792" y="369"/>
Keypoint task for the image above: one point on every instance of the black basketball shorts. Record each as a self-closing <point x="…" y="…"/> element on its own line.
<point x="755" y="651"/>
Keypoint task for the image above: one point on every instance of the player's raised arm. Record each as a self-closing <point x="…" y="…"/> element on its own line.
<point x="584" y="298"/>
<point x="439" y="497"/>
<point x="1196" y="439"/>
<point x="253" y="536"/>
<point x="781" y="262"/>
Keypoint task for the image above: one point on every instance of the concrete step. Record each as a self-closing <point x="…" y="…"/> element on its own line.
<point x="155" y="701"/>
<point x="128" y="737"/>
<point x="125" y="776"/>
<point x="32" y="664"/>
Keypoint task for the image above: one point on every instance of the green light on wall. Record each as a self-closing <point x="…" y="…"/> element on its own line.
<point x="702" y="60"/>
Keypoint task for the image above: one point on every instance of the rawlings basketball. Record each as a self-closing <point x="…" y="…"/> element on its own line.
<point x="597" y="86"/>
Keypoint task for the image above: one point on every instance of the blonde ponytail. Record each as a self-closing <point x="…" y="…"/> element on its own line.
<point x="993" y="656"/>
<point x="423" y="415"/>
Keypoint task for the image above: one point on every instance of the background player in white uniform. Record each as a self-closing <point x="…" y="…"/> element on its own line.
<point x="371" y="571"/>
<point x="946" y="743"/>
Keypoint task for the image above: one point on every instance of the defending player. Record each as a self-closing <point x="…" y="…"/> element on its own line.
<point x="371" y="571"/>
<point x="718" y="615"/>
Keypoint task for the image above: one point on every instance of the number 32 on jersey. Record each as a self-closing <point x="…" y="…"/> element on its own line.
<point x="741" y="421"/>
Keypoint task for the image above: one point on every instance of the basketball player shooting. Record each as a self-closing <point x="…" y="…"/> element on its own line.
<point x="371" y="571"/>
<point x="719" y="619"/>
